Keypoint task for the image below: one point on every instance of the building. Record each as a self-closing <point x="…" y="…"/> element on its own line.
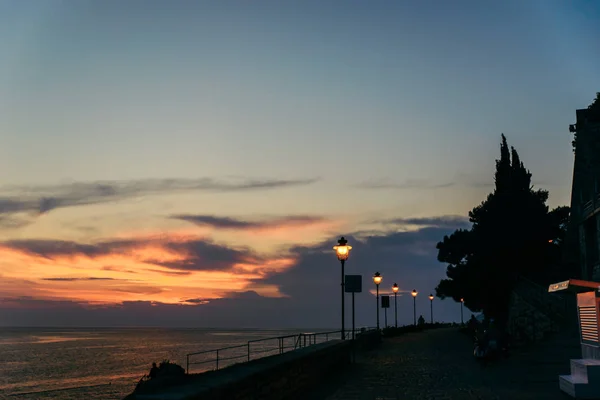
<point x="584" y="226"/>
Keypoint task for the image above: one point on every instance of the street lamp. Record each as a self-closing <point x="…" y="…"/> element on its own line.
<point x="414" y="295"/>
<point x="342" y="250"/>
<point x="462" y="302"/>
<point x="377" y="279"/>
<point x="395" y="290"/>
<point x="431" y="305"/>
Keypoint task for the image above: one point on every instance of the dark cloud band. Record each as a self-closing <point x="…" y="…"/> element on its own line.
<point x="42" y="199"/>
<point x="240" y="224"/>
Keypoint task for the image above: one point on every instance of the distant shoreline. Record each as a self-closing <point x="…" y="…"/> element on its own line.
<point x="169" y="328"/>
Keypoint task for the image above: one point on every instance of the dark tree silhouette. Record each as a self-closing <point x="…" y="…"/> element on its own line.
<point x="510" y="237"/>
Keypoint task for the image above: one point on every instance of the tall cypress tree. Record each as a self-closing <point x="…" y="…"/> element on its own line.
<point x="509" y="238"/>
<point x="503" y="168"/>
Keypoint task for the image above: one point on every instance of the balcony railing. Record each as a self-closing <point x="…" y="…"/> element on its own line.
<point x="590" y="207"/>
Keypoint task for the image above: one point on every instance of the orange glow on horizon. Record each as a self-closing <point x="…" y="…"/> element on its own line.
<point x="133" y="272"/>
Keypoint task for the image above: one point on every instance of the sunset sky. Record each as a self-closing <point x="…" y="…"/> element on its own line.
<point x="192" y="163"/>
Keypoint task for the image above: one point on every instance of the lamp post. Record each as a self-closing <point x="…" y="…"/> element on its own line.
<point x="377" y="279"/>
<point x="431" y="305"/>
<point x="414" y="295"/>
<point x="342" y="250"/>
<point x="462" y="302"/>
<point x="395" y="290"/>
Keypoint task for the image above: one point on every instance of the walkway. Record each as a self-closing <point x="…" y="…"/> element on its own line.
<point x="439" y="365"/>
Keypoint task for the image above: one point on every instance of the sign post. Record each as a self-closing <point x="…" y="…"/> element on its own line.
<point x="353" y="284"/>
<point x="385" y="304"/>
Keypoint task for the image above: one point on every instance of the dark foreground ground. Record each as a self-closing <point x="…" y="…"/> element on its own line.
<point x="439" y="364"/>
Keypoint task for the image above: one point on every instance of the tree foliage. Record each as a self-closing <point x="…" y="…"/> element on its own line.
<point x="510" y="237"/>
<point x="595" y="107"/>
<point x="596" y="103"/>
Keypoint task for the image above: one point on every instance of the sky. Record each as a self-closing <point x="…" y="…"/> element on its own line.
<point x="192" y="163"/>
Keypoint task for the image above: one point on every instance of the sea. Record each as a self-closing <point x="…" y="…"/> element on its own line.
<point x="103" y="363"/>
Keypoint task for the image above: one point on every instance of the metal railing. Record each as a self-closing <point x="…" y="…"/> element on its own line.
<point x="258" y="348"/>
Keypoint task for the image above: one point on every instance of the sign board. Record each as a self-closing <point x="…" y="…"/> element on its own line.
<point x="353" y="283"/>
<point x="555" y="287"/>
<point x="385" y="301"/>
<point x="575" y="285"/>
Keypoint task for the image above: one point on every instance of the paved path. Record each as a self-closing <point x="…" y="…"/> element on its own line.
<point x="439" y="365"/>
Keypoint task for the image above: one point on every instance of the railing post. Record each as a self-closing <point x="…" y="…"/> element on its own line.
<point x="187" y="364"/>
<point x="533" y="325"/>
<point x="551" y="317"/>
<point x="248" y="351"/>
<point x="217" y="359"/>
<point x="304" y="340"/>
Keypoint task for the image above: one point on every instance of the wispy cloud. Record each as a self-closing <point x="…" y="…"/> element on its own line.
<point x="11" y="222"/>
<point x="444" y="221"/>
<point x="170" y="273"/>
<point x="42" y="199"/>
<point x="195" y="301"/>
<point x="91" y="278"/>
<point x="117" y="269"/>
<point x="408" y="184"/>
<point x="479" y="180"/>
<point x="482" y="184"/>
<point x="228" y="223"/>
<point x="61" y="248"/>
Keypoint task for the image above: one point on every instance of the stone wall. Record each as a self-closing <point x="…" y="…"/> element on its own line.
<point x="527" y="323"/>
<point x="276" y="377"/>
<point x="534" y="312"/>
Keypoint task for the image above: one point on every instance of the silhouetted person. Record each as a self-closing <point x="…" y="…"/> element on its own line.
<point x="153" y="371"/>
<point x="421" y="321"/>
<point x="472" y="324"/>
<point x="480" y="337"/>
<point x="492" y="335"/>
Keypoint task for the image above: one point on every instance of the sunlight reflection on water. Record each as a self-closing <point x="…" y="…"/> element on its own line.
<point x="36" y="360"/>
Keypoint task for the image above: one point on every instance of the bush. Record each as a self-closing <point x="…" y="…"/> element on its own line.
<point x="167" y="368"/>
<point x="166" y="374"/>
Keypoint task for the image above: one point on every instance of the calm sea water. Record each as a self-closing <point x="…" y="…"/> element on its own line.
<point x="34" y="363"/>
